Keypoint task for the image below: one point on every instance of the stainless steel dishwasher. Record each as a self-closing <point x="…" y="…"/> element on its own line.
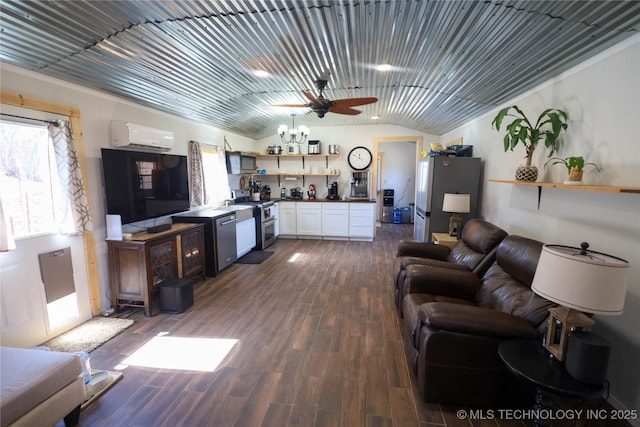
<point x="226" y="249"/>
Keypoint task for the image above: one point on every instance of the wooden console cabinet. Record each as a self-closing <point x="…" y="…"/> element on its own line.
<point x="136" y="266"/>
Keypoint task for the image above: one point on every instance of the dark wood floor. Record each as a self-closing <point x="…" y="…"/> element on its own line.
<point x="318" y="345"/>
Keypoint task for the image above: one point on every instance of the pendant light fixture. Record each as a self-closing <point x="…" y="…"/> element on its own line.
<point x="296" y="136"/>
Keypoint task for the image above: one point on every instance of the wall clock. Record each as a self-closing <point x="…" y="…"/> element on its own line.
<point x="360" y="158"/>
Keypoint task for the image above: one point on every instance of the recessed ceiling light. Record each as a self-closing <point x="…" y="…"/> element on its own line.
<point x="384" y="67"/>
<point x="376" y="117"/>
<point x="260" y="73"/>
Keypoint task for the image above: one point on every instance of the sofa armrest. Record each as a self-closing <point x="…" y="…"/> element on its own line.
<point x="454" y="283"/>
<point x="422" y="250"/>
<point x="474" y="320"/>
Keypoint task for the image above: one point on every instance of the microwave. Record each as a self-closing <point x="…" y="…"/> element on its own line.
<point x="240" y="162"/>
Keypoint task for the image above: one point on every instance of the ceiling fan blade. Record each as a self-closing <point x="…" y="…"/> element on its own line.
<point x="354" y="102"/>
<point x="310" y="96"/>
<point x="288" y="105"/>
<point x="344" y="110"/>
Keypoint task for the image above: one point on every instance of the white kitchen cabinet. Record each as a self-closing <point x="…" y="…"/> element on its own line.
<point x="309" y="219"/>
<point x="245" y="236"/>
<point x="362" y="223"/>
<point x="335" y="220"/>
<point x="287" y="219"/>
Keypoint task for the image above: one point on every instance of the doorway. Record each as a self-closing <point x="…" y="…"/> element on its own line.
<point x="395" y="168"/>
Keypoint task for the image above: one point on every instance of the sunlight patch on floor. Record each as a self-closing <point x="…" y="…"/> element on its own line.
<point x="62" y="310"/>
<point x="295" y="257"/>
<point x="182" y="353"/>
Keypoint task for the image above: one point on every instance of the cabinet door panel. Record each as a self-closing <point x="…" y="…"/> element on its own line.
<point x="129" y="272"/>
<point x="245" y="236"/>
<point x="287" y="213"/>
<point x="163" y="261"/>
<point x="335" y="219"/>
<point x="309" y="219"/>
<point x="192" y="253"/>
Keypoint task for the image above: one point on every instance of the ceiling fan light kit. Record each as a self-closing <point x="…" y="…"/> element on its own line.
<point x="293" y="132"/>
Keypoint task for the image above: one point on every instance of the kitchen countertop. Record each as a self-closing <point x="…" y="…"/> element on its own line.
<point x="325" y="200"/>
<point x="206" y="213"/>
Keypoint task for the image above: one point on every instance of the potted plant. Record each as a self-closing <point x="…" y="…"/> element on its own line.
<point x="548" y="128"/>
<point x="575" y="166"/>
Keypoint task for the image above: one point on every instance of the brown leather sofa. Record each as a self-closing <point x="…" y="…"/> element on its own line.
<point x="453" y="327"/>
<point x="475" y="251"/>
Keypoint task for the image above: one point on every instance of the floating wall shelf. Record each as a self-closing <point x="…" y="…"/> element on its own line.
<point x="540" y="185"/>
<point x="302" y="156"/>
<point x="299" y="156"/>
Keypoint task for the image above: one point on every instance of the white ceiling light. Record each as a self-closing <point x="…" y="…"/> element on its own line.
<point x="384" y="67"/>
<point x="260" y="73"/>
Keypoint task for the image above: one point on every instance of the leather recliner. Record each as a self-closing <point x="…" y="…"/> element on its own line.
<point x="452" y="329"/>
<point x="475" y="252"/>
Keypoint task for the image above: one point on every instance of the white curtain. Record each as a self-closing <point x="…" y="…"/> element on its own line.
<point x="208" y="175"/>
<point x="73" y="216"/>
<point x="218" y="189"/>
<point x="196" y="171"/>
<point x="6" y="238"/>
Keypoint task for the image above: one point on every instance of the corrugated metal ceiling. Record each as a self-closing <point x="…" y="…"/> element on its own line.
<point x="452" y="60"/>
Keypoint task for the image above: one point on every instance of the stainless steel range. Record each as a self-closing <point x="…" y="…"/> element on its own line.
<point x="265" y="221"/>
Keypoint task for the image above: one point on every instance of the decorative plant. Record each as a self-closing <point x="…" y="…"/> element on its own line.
<point x="548" y="127"/>
<point x="575" y="166"/>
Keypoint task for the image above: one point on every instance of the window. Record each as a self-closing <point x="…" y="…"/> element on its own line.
<point x="31" y="195"/>
<point x="145" y="172"/>
<point x="29" y="190"/>
<point x="215" y="175"/>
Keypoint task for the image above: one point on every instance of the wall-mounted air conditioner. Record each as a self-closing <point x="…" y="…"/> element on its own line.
<point x="132" y="135"/>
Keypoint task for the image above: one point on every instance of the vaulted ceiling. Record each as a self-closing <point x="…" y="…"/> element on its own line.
<point x="450" y="60"/>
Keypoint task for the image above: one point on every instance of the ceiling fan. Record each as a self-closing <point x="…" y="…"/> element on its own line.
<point x="322" y="106"/>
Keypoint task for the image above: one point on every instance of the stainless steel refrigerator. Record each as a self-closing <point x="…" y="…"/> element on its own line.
<point x="438" y="175"/>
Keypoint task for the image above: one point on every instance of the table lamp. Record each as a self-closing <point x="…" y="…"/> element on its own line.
<point x="456" y="203"/>
<point x="581" y="281"/>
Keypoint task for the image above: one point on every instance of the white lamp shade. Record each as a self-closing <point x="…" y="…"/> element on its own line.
<point x="587" y="281"/>
<point x="457" y="203"/>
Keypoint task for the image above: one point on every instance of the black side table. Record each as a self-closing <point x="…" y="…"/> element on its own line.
<point x="528" y="359"/>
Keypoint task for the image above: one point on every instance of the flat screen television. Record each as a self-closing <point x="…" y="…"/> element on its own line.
<point x="141" y="185"/>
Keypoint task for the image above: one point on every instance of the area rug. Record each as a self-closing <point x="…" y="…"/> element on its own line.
<point x="255" y="257"/>
<point x="88" y="335"/>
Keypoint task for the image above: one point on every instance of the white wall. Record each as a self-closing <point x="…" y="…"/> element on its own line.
<point x="602" y="98"/>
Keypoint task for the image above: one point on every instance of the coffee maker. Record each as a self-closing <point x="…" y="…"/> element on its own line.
<point x="333" y="191"/>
